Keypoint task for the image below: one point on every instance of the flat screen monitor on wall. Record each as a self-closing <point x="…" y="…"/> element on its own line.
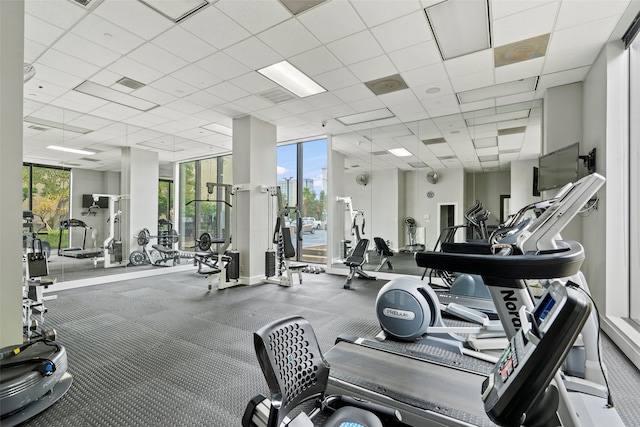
<point x="558" y="168"/>
<point x="87" y="201"/>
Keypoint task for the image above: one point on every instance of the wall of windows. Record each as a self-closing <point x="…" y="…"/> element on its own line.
<point x="302" y="177"/>
<point x="165" y="199"/>
<point x="45" y="192"/>
<point x="202" y="206"/>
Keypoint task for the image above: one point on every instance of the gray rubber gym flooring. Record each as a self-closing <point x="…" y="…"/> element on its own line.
<point x="162" y="351"/>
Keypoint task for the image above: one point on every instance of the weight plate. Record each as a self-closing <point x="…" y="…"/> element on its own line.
<point x="143" y="237"/>
<point x="204" y="242"/>
<point x="174" y="236"/>
<point x="155" y="256"/>
<point x="136" y="258"/>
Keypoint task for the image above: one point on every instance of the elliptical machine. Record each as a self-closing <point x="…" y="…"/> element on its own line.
<point x="33" y="375"/>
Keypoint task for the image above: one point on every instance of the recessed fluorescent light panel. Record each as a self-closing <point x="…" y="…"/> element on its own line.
<point x="71" y="150"/>
<point x="369" y="116"/>
<point x="496" y="118"/>
<point x="215" y="127"/>
<point x="499" y="90"/>
<point x="299" y="6"/>
<point x="174" y="10"/>
<point x="112" y="95"/>
<point x="56" y="125"/>
<point x="400" y="152"/>
<point x="460" y="27"/>
<point x="292" y="79"/>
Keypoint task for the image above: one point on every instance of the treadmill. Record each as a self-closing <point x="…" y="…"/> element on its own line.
<point x="439" y="389"/>
<point x="80" y="251"/>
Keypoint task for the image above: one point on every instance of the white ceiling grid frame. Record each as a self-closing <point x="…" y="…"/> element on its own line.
<point x="215" y="28"/>
<point x="375" y="13"/>
<point x="519" y="70"/>
<point x="373" y="68"/>
<point x="174" y="86"/>
<point x="128" y="14"/>
<point x="416" y="56"/>
<point x="135" y="70"/>
<point x="228" y="91"/>
<point x="254" y="15"/>
<point x="66" y="63"/>
<point x="336" y="79"/>
<point x="355" y="48"/>
<point x="197" y="77"/>
<point x="107" y="34"/>
<point x="157" y="58"/>
<point x="344" y="21"/>
<point x="575" y="13"/>
<point x="253" y="53"/>
<point x="41" y="31"/>
<point x="60" y="13"/>
<point x="403" y="32"/>
<point x="86" y="50"/>
<point x="177" y="39"/>
<point x="425" y="75"/>
<point x="289" y="38"/>
<point x="526" y="24"/>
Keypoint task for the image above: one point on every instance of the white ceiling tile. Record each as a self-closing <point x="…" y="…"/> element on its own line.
<point x="297" y="106"/>
<point x="205" y="99"/>
<point x="47" y="75"/>
<point x="524" y="25"/>
<point x="315" y="61"/>
<point x="353" y="93"/>
<point x="470" y="64"/>
<point x="253" y="82"/>
<point x="223" y="66"/>
<point x="417" y="56"/>
<point x="441" y="150"/>
<point x="135" y="70"/>
<point x="185" y="107"/>
<point x="323" y="100"/>
<point x="63" y="62"/>
<point x="215" y="28"/>
<point x="477" y="80"/>
<point x="32" y="51"/>
<point x="40" y="31"/>
<point x="253" y="53"/>
<point x="154" y="95"/>
<point x="77" y="101"/>
<point x="519" y="70"/>
<point x="289" y="38"/>
<point x="377" y="12"/>
<point x="442" y="106"/>
<point x="274" y="113"/>
<point x="157" y="58"/>
<point x="513" y="99"/>
<point x="197" y="77"/>
<point x="574" y="13"/>
<point x="336" y="79"/>
<point x="561" y="78"/>
<point x="403" y="32"/>
<point x="254" y="15"/>
<point x="60" y="13"/>
<point x="252" y="103"/>
<point x="355" y="48"/>
<point x="373" y="68"/>
<point x="502" y="8"/>
<point x="425" y="75"/>
<point x="343" y="18"/>
<point x="228" y="91"/>
<point x="128" y="14"/>
<point x="510" y="142"/>
<point x="487" y="151"/>
<point x="433" y="90"/>
<point x="478" y="105"/>
<point x="107" y="34"/>
<point x="183" y="44"/>
<point x="591" y="34"/>
<point x="86" y="50"/>
<point x="174" y="86"/>
<point x="398" y="97"/>
<point x="115" y="112"/>
<point x="368" y="104"/>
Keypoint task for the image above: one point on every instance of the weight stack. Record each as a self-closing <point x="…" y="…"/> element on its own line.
<point x="233" y="268"/>
<point x="269" y="264"/>
<point x="117" y="250"/>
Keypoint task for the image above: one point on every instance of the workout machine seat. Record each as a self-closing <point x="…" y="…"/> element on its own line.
<point x="355" y="261"/>
<point x="385" y="252"/>
<point x="296" y="371"/>
<point x="166" y="254"/>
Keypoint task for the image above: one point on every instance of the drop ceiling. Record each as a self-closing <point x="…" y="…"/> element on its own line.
<point x="178" y="86"/>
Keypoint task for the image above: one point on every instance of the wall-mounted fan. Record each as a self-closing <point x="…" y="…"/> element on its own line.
<point x="433" y="177"/>
<point x="362" y="179"/>
<point x="28" y="72"/>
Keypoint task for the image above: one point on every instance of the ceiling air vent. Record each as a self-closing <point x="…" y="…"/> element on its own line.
<point x="277" y="96"/>
<point x="130" y="83"/>
<point x="88" y="159"/>
<point x="386" y="84"/>
<point x="87" y="4"/>
<point x="417" y="165"/>
<point x="440" y="140"/>
<point x="379" y="153"/>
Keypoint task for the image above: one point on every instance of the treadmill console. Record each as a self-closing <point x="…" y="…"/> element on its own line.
<point x="534" y="355"/>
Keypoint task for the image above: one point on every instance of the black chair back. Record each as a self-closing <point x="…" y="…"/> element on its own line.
<point x="382" y="247"/>
<point x="292" y="364"/>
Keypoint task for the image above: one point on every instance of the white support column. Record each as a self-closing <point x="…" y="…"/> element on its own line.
<point x="254" y="164"/>
<point x="139" y="204"/>
<point x="11" y="92"/>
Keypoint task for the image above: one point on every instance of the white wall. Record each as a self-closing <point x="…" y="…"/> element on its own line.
<point x="522" y="184"/>
<point x="449" y="189"/>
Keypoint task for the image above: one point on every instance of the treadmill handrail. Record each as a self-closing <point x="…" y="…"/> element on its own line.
<point x="563" y="262"/>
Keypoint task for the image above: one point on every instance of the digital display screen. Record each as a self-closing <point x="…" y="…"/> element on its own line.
<point x="558" y="168"/>
<point x="544" y="308"/>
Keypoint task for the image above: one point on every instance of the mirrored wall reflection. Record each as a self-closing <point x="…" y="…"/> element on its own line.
<point x="74" y="207"/>
<point x="422" y="176"/>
